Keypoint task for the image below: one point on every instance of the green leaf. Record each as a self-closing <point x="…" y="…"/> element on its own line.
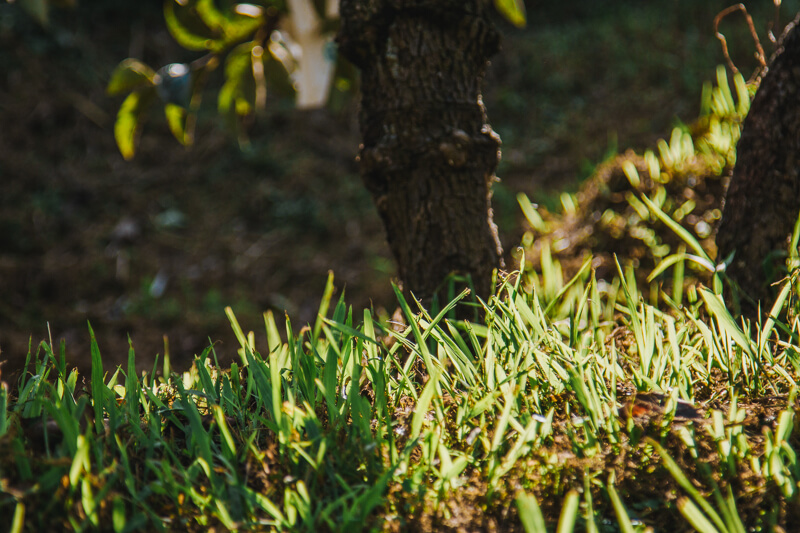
<point x="98" y="385"/>
<point x="726" y="321"/>
<point x="624" y="521"/>
<point x="188" y="29"/>
<point x="227" y="442"/>
<point x="130" y="74"/>
<point x="684" y="482"/>
<point x="237" y="95"/>
<point x="238" y="64"/>
<point x="530" y="212"/>
<point x="129" y="120"/>
<point x="18" y="523"/>
<point x="569" y="513"/>
<point x="80" y="461"/>
<point x="88" y="502"/>
<point x="177" y="120"/>
<point x="118" y="518"/>
<point x="665" y="264"/>
<point x="211" y="16"/>
<point x="773" y="314"/>
<point x="38" y="9"/>
<point x="3" y="410"/>
<point x="424" y="402"/>
<point x="679" y="230"/>
<point x="529" y="513"/>
<point x="513" y="10"/>
<point x="324" y="305"/>
<point x="695" y="516"/>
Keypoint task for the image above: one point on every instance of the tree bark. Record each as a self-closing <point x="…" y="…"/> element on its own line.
<point x="428" y="155"/>
<point x="763" y="198"/>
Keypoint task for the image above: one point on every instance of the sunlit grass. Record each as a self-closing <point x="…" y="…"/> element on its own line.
<point x="355" y="424"/>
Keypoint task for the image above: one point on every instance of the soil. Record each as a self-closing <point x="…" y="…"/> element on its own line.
<point x="154" y="249"/>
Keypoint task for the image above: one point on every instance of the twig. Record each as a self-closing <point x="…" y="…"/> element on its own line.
<point x="759" y="50"/>
<point x="775" y="24"/>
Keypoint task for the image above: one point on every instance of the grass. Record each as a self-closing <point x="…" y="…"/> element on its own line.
<point x="530" y="416"/>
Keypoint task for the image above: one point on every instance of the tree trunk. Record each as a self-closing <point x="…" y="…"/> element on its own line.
<point x="428" y="155"/>
<point x="763" y="198"/>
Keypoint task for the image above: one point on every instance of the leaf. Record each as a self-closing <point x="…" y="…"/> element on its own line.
<point x="38" y="9"/>
<point x="513" y="10"/>
<point x="18" y="522"/>
<point x="237" y="329"/>
<point x="569" y="513"/>
<point x="130" y="74"/>
<point x="725" y="320"/>
<point x="665" y="264"/>
<point x="3" y="410"/>
<point x="211" y="16"/>
<point x="421" y="410"/>
<point x="531" y="214"/>
<point x="695" y="516"/>
<point x="624" y="521"/>
<point x="683" y="481"/>
<point x="98" y="385"/>
<point x="177" y="119"/>
<point x="118" y="518"/>
<point x="529" y="513"/>
<point x="678" y="229"/>
<point x="237" y="65"/>
<point x="237" y="95"/>
<point x="129" y="121"/>
<point x="188" y="29"/>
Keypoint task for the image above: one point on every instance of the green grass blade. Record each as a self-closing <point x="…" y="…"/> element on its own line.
<point x="423" y="404"/>
<point x="531" y="214"/>
<point x="421" y="345"/>
<point x="18" y="522"/>
<point x="695" y="516"/>
<point x="769" y="325"/>
<point x="80" y="462"/>
<point x="687" y="485"/>
<point x="665" y="264"/>
<point x="577" y="277"/>
<point x="3" y="409"/>
<point x="591" y="525"/>
<point x="569" y="513"/>
<point x="273" y="336"/>
<point x="98" y="384"/>
<point x="229" y="446"/>
<point x="513" y="10"/>
<point x="725" y="320"/>
<point x="324" y="305"/>
<point x="196" y="432"/>
<point x="237" y="329"/>
<point x="529" y="513"/>
<point x="679" y="230"/>
<point x="624" y="521"/>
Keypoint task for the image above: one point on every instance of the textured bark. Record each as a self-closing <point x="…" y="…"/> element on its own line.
<point x="428" y="155"/>
<point x="763" y="199"/>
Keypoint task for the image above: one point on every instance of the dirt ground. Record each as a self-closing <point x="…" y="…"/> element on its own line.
<point x="156" y="248"/>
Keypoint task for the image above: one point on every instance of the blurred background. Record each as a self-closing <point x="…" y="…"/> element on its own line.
<point x="155" y="248"/>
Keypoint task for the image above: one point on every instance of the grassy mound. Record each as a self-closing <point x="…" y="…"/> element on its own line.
<point x="684" y="179"/>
